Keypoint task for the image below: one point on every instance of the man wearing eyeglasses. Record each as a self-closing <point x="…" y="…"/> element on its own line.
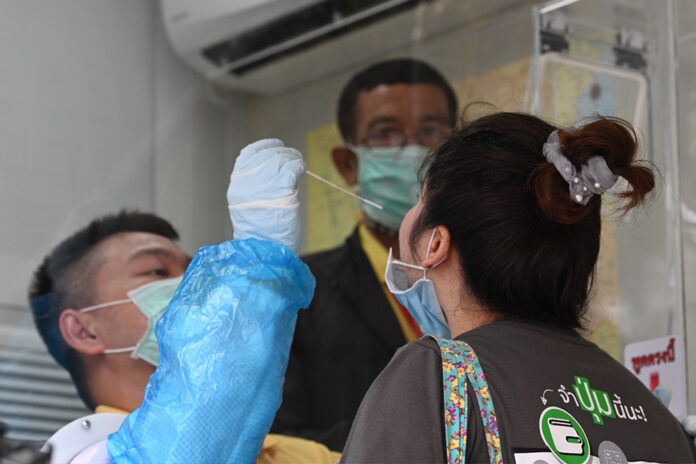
<point x="390" y="115"/>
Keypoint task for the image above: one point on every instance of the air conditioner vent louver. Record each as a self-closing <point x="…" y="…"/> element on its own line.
<point x="300" y="30"/>
<point x="37" y="397"/>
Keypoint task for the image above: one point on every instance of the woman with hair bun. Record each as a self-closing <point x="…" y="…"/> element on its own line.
<point x="497" y="262"/>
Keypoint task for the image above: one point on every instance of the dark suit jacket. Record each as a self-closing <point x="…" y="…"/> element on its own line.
<point x="342" y="342"/>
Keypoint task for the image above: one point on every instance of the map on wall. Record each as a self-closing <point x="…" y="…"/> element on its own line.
<point x="501" y="89"/>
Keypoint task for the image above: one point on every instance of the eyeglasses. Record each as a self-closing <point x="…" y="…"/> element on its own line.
<point x="430" y="136"/>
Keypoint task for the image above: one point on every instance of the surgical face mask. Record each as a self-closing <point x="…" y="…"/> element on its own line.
<point x="420" y="298"/>
<point x="388" y="176"/>
<point x="152" y="299"/>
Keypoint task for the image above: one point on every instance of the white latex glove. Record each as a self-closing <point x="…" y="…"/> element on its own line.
<point x="263" y="197"/>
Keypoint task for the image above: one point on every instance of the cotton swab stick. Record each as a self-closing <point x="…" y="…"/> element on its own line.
<point x="347" y="192"/>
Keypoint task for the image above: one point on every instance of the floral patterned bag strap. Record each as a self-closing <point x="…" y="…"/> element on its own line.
<point x="461" y="368"/>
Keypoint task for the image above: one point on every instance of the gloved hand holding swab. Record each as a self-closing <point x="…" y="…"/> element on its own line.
<point x="262" y="197"/>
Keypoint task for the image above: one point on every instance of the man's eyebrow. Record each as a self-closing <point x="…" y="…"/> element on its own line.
<point x="381" y="120"/>
<point x="434" y="118"/>
<point x="151" y="251"/>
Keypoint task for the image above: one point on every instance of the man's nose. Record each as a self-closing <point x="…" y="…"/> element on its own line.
<point x="412" y="137"/>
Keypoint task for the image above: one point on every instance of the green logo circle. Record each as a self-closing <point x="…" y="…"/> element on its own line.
<point x="564" y="436"/>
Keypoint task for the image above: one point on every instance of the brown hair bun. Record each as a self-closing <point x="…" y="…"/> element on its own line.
<point x="612" y="138"/>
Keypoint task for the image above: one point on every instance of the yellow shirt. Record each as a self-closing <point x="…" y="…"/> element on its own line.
<point x="279" y="449"/>
<point x="377" y="254"/>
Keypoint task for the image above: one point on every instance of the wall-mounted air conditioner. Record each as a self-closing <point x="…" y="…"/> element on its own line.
<point x="268" y="46"/>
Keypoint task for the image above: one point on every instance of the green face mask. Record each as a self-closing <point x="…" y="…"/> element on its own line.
<point x="152" y="300"/>
<point x="388" y="176"/>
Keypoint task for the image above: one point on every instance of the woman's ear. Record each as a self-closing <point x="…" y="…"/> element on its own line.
<point x="77" y="331"/>
<point x="439" y="247"/>
<point x="346" y="163"/>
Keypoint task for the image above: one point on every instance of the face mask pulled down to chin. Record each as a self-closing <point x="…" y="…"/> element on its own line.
<point x="420" y="297"/>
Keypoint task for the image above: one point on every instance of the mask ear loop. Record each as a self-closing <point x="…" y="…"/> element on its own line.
<point x="103" y="305"/>
<point x="427" y="254"/>
<point x="119" y="350"/>
<point x="107" y="305"/>
<point x="430" y="243"/>
<point x="421" y="268"/>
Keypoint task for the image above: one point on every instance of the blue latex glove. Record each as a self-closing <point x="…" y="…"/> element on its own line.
<point x="225" y="342"/>
<point x="262" y="196"/>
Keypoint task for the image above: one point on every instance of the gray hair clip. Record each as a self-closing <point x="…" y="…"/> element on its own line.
<point x="594" y="177"/>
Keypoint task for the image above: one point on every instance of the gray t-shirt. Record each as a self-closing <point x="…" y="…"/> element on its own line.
<point x="532" y="370"/>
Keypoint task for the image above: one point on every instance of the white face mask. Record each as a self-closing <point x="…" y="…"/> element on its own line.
<point x="420" y="298"/>
<point x="152" y="299"/>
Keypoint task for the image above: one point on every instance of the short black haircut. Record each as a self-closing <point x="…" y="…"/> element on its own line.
<point x="63" y="280"/>
<point x="390" y="72"/>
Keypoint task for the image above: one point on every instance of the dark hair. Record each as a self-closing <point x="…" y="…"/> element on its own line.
<point x="527" y="249"/>
<point x="391" y="72"/>
<point x="63" y="280"/>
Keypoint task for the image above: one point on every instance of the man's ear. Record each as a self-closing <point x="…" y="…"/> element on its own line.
<point x="75" y="327"/>
<point x="439" y="248"/>
<point x="346" y="163"/>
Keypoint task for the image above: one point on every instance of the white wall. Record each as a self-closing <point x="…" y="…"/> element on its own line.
<point x="191" y="165"/>
<point x="97" y="114"/>
<point x="75" y="123"/>
<point x="76" y="141"/>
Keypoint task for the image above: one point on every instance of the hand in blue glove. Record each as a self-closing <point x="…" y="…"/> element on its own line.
<point x="262" y="196"/>
<point x="225" y="342"/>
